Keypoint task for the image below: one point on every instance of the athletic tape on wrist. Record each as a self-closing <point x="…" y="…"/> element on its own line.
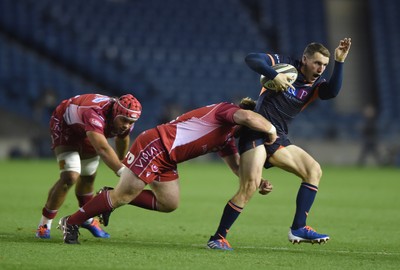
<point x="272" y="130"/>
<point x="119" y="172"/>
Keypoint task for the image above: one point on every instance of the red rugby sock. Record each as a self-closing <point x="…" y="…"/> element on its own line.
<point x="84" y="199"/>
<point x="99" y="204"/>
<point x="50" y="214"/>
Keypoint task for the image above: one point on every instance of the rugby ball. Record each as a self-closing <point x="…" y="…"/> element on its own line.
<point x="280" y="68"/>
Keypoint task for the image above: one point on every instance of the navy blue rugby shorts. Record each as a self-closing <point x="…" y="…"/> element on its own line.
<point x="250" y="139"/>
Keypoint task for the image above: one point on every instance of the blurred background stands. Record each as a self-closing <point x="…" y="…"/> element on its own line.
<point x="188" y="53"/>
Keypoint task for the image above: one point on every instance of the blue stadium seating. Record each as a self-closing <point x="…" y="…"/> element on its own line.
<point x="187" y="52"/>
<point x="386" y="43"/>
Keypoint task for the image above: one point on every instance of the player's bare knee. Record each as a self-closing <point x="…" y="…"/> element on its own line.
<point x="69" y="178"/>
<point x="167" y="204"/>
<point x="314" y="174"/>
<point x="167" y="208"/>
<point x="317" y="171"/>
<point x="250" y="185"/>
<point x="246" y="190"/>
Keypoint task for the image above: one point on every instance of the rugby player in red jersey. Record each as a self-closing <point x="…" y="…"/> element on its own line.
<point x="153" y="157"/>
<point x="79" y="130"/>
<point x="280" y="107"/>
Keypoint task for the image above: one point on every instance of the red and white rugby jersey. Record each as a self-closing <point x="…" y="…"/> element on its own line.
<point x="87" y="112"/>
<point x="203" y="130"/>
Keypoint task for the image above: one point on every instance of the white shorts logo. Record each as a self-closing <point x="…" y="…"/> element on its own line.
<point x="154" y="168"/>
<point x="130" y="158"/>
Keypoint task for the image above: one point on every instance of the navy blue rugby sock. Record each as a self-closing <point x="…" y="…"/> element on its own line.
<point x="305" y="199"/>
<point x="230" y="214"/>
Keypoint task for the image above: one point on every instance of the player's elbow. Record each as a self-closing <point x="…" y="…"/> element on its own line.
<point x="252" y="58"/>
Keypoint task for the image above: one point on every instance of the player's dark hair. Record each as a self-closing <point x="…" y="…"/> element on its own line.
<point x="315" y="47"/>
<point x="247" y="104"/>
<point x="109" y="112"/>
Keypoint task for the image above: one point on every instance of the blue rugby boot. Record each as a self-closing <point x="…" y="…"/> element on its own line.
<point x="43" y="232"/>
<point x="219" y="243"/>
<point x="307" y="234"/>
<point x="95" y="229"/>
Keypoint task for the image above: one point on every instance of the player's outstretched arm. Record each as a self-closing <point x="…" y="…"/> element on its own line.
<point x="105" y="151"/>
<point x="261" y="63"/>
<point x="331" y="88"/>
<point x="122" y="146"/>
<point x="255" y="121"/>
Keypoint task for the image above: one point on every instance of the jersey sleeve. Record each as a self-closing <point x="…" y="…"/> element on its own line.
<point x="93" y="122"/>
<point x="331" y="89"/>
<point x="262" y="63"/>
<point x="225" y="113"/>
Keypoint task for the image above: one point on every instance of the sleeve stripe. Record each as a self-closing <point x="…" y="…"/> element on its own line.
<point x="272" y="59"/>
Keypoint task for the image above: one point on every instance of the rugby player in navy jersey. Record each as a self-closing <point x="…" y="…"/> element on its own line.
<point x="280" y="107"/>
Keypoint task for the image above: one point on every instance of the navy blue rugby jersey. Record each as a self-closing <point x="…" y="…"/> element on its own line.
<point x="281" y="107"/>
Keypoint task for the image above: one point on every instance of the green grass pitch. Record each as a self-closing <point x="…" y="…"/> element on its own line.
<point x="358" y="207"/>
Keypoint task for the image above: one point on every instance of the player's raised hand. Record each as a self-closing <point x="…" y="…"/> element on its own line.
<point x="343" y="49"/>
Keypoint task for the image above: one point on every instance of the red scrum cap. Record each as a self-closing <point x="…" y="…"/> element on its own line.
<point x="127" y="106"/>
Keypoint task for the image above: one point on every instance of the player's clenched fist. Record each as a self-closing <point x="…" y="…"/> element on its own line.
<point x="265" y="187"/>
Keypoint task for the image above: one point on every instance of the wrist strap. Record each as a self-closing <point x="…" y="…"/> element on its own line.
<point x="272" y="130"/>
<point x="119" y="172"/>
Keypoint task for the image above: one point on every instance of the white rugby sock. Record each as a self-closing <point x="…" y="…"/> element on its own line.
<point x="44" y="220"/>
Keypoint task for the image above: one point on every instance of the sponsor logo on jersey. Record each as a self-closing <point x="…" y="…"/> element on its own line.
<point x="299" y="93"/>
<point x="100" y="98"/>
<point x="96" y="122"/>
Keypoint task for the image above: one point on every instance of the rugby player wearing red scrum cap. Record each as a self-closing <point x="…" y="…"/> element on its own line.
<point x="79" y="130"/>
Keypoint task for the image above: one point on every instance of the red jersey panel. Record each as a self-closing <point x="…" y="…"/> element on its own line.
<point x="203" y="130"/>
